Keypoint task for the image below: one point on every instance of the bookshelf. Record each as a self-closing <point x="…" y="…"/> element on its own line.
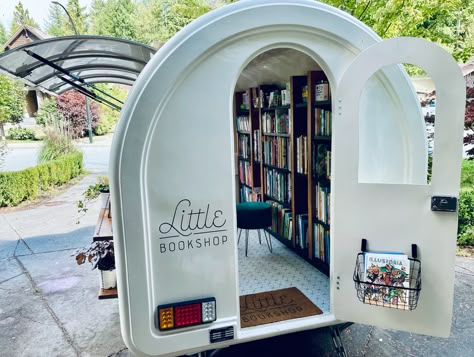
<point x="319" y="132"/>
<point x="248" y="145"/>
<point x="285" y="128"/>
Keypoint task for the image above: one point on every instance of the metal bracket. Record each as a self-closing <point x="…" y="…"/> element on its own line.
<point x="337" y="340"/>
<point x="78" y="87"/>
<point x="444" y="204"/>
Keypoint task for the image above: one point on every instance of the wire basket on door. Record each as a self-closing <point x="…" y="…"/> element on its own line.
<point x="402" y="296"/>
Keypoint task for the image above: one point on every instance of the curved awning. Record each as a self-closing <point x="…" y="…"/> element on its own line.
<point x="58" y="64"/>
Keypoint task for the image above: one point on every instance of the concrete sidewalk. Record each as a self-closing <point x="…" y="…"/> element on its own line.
<point x="49" y="305"/>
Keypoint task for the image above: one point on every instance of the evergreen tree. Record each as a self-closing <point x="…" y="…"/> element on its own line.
<point x="145" y="25"/>
<point x="78" y="15"/>
<point x="21" y="16"/>
<point x="3" y="34"/>
<point x="100" y="21"/>
<point x="58" y="22"/>
<point x="122" y="19"/>
<point x="12" y="102"/>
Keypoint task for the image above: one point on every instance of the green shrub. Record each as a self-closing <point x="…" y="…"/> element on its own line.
<point x="16" y="187"/>
<point x="108" y="117"/>
<point x="106" y="123"/>
<point x="48" y="112"/>
<point x="58" y="142"/>
<point x="467" y="174"/>
<point x="21" y="134"/>
<point x="466" y="217"/>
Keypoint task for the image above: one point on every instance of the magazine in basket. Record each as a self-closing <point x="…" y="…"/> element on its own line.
<point x="388" y="274"/>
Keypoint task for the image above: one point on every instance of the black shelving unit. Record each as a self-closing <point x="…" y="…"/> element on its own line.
<point x="325" y="104"/>
<point x="283" y="135"/>
<point x="282" y="107"/>
<point x="271" y="198"/>
<point x="277" y="168"/>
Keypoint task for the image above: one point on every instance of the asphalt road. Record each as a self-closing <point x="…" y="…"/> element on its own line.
<point x="21" y="156"/>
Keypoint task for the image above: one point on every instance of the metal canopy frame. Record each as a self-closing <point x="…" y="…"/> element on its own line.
<point x="59" y="64"/>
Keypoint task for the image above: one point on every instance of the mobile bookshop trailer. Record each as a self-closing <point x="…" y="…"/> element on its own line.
<point x="173" y="181"/>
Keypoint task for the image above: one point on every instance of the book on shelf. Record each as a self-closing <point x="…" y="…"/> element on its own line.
<point x="388" y="276"/>
<point x="301" y="154"/>
<point x="322" y="122"/>
<point x="255" y="98"/>
<point x="323" y="204"/>
<point x="276" y="152"/>
<point x="302" y="231"/>
<point x="282" y="121"/>
<point x="244" y="146"/>
<point x="245" y="101"/>
<point x="245" y="173"/>
<point x="321" y="161"/>
<point x="257" y="144"/>
<point x="322" y="91"/>
<point x="282" y="220"/>
<point x="321" y="242"/>
<point x="276" y="122"/>
<point x="249" y="195"/>
<point x="278" y="184"/>
<point x="243" y="123"/>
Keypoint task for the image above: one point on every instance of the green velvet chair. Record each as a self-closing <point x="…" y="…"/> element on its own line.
<point x="254" y="215"/>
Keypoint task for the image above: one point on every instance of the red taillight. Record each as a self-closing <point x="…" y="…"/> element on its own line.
<point x="187" y="313"/>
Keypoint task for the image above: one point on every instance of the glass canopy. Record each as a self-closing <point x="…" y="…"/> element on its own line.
<point x="58" y="64"/>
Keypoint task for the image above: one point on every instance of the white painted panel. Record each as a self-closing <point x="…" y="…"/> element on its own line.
<point x="391" y="216"/>
<point x="174" y="142"/>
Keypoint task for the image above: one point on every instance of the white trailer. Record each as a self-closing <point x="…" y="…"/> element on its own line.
<point x="173" y="156"/>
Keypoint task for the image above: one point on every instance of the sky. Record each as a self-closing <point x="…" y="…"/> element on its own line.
<point x="38" y="10"/>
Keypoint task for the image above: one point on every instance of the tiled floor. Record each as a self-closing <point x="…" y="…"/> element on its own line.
<point x="264" y="271"/>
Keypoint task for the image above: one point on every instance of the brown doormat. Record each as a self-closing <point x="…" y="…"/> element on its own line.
<point x="273" y="306"/>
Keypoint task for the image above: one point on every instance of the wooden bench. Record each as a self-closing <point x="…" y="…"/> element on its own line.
<point x="103" y="231"/>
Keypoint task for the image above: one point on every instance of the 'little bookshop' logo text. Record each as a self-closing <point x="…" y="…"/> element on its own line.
<point x="192" y="227"/>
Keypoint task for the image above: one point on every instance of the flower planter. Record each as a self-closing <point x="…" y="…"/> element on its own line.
<point x="108" y="279"/>
<point x="104" y="198"/>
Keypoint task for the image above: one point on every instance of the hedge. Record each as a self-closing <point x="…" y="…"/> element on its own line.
<point x="466" y="218"/>
<point x="18" y="186"/>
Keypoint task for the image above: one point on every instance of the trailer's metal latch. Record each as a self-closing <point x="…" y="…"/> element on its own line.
<point x="443" y="203"/>
<point x="221" y="334"/>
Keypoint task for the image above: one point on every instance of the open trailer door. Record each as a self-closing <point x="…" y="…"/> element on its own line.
<point x="394" y="216"/>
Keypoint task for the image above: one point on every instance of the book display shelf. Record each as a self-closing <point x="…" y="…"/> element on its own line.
<point x="247" y="125"/>
<point x="283" y="146"/>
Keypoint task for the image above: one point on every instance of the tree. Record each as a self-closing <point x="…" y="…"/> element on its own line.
<point x="21" y="16"/>
<point x="12" y="102"/>
<point x="3" y="34"/>
<point x="469" y="121"/>
<point x="78" y="15"/>
<point x="71" y="105"/>
<point x="113" y="18"/>
<point x="447" y="22"/>
<point x="146" y="27"/>
<point x="99" y="18"/>
<point x="58" y="22"/>
<point x="173" y="15"/>
<point x="122" y="19"/>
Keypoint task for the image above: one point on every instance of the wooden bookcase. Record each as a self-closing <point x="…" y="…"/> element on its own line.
<point x="287" y="136"/>
<point x="247" y="129"/>
<point x="318" y="246"/>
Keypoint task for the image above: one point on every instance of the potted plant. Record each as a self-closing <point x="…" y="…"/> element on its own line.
<point x="101" y="187"/>
<point x="101" y="255"/>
